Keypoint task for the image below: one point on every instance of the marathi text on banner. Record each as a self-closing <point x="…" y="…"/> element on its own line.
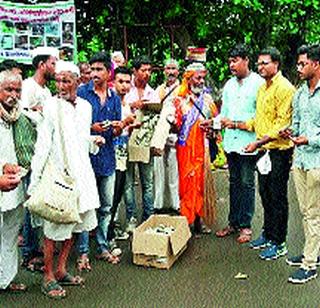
<point x="25" y="27"/>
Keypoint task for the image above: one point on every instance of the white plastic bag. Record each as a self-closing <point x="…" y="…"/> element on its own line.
<point x="264" y="164"/>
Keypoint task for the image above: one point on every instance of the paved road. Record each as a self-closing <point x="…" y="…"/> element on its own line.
<point x="202" y="277"/>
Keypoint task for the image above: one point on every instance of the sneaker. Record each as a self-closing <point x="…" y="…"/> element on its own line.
<point x="114" y="249"/>
<point x="302" y="275"/>
<point x="297" y="260"/>
<point x="131" y="225"/>
<point x="120" y="235"/>
<point x="260" y="242"/>
<point x="274" y="251"/>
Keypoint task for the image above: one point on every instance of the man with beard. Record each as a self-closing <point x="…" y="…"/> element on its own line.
<point x="85" y="72"/>
<point x="64" y="134"/>
<point x="35" y="94"/>
<point x="141" y="98"/>
<point x="106" y="122"/>
<point x="239" y="104"/>
<point x="305" y="134"/>
<point x="193" y="105"/>
<point x="11" y="195"/>
<point x="34" y="89"/>
<point x="163" y="144"/>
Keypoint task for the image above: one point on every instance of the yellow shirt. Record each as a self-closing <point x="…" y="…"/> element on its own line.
<point x="274" y="112"/>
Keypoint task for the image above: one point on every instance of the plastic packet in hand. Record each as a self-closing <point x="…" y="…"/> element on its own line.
<point x="264" y="164"/>
<point x="106" y="123"/>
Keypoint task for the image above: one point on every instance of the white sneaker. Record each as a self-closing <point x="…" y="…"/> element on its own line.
<point x="120" y="235"/>
<point x="131" y="225"/>
<point x="114" y="249"/>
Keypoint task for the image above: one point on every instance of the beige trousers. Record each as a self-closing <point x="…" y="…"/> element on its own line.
<point x="307" y="183"/>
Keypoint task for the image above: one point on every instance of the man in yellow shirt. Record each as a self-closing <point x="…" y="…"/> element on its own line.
<point x="273" y="113"/>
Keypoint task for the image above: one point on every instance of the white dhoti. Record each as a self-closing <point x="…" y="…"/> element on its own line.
<point x="166" y="191"/>
<point x="62" y="232"/>
<point x="9" y="229"/>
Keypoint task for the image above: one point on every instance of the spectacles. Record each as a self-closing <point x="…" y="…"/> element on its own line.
<point x="264" y="63"/>
<point x="302" y="64"/>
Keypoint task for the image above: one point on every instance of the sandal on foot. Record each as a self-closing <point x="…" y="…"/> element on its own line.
<point x="16" y="287"/>
<point x="69" y="280"/>
<point x="53" y="290"/>
<point x="36" y="264"/>
<point x="228" y="230"/>
<point x="244" y="236"/>
<point x="83" y="264"/>
<point x="108" y="257"/>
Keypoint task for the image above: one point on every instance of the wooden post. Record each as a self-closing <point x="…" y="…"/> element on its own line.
<point x="125" y="39"/>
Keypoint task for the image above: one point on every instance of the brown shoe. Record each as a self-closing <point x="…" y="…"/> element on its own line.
<point x="244" y="236"/>
<point x="228" y="230"/>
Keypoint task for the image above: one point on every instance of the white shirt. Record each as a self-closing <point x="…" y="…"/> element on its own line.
<point x="8" y="200"/>
<point x="148" y="94"/>
<point x="76" y="122"/>
<point x="33" y="95"/>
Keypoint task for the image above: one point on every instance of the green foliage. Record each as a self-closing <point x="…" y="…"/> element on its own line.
<point x="161" y="29"/>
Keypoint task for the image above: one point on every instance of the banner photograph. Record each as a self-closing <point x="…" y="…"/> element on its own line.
<point x="25" y="27"/>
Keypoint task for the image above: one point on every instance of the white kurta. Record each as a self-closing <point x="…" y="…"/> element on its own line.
<point x="10" y="214"/>
<point x="33" y="95"/>
<point x="76" y="122"/>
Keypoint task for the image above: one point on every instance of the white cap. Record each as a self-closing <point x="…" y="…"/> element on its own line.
<point x="171" y="62"/>
<point x="45" y="51"/>
<point x="66" y="66"/>
<point x="118" y="54"/>
<point x="195" y="66"/>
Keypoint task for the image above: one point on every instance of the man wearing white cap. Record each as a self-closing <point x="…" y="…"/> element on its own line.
<point x="11" y="194"/>
<point x="74" y="115"/>
<point x="163" y="143"/>
<point x="193" y="105"/>
<point x="34" y="96"/>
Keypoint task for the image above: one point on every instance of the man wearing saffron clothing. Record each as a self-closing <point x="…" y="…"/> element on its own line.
<point x="193" y="104"/>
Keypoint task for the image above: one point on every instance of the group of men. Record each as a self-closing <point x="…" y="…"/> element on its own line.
<point x="265" y="120"/>
<point x="162" y="134"/>
<point x="122" y="113"/>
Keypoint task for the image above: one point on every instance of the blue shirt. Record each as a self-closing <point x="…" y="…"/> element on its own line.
<point x="239" y="104"/>
<point x="306" y="122"/>
<point x="104" y="163"/>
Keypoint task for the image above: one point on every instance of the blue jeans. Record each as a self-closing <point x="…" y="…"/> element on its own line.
<point x="242" y="189"/>
<point x="105" y="186"/>
<point x="30" y="247"/>
<point x="83" y="243"/>
<point x="106" y="192"/>
<point x="146" y="177"/>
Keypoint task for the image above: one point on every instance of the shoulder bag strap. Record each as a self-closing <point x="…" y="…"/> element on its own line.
<point x="63" y="142"/>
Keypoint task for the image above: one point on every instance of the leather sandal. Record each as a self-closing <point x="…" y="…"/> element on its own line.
<point x="244" y="236"/>
<point x="83" y="264"/>
<point x="53" y="290"/>
<point x="69" y="280"/>
<point x="228" y="230"/>
<point x="108" y="257"/>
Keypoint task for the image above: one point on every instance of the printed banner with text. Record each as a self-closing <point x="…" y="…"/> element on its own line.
<point x="25" y="27"/>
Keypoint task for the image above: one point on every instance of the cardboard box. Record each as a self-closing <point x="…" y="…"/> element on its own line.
<point x="160" y="250"/>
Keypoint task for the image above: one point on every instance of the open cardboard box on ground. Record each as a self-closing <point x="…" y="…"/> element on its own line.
<point x="160" y="250"/>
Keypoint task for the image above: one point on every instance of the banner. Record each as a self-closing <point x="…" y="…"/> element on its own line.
<point x="24" y="27"/>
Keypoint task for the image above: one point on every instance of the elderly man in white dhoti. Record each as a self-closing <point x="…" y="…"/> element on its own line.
<point x="11" y="194"/>
<point x="75" y="116"/>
